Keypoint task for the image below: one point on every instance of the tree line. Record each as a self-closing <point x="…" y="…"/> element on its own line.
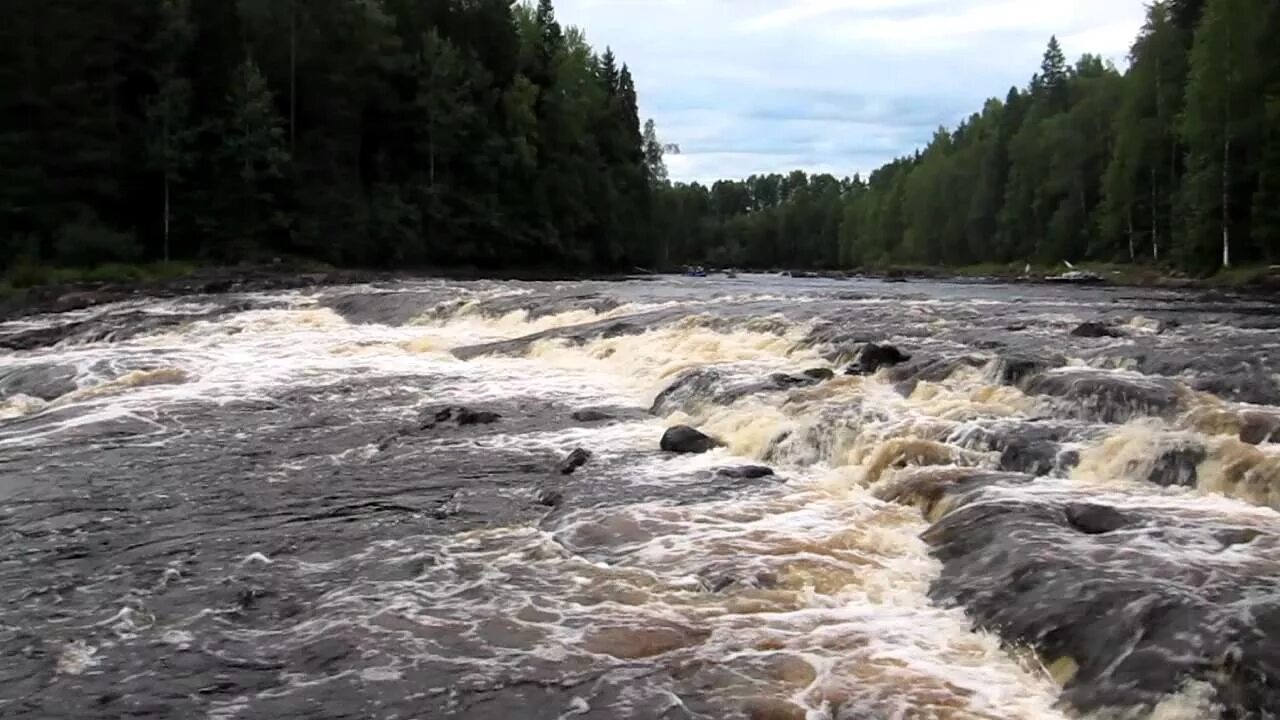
<point x="354" y="132"/>
<point x="1174" y="161"/>
<point x="484" y="133"/>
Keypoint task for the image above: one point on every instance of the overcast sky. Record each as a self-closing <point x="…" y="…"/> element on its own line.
<point x="839" y="86"/>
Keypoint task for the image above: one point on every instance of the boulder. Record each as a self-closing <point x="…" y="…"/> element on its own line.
<point x="745" y="472"/>
<point x="873" y="357"/>
<point x="820" y="374"/>
<point x="686" y="440"/>
<point x="1258" y="428"/>
<point x="1095" y="330"/>
<point x="592" y="416"/>
<point x="46" y="382"/>
<point x="550" y="497"/>
<point x="573" y="461"/>
<point x="464" y="417"/>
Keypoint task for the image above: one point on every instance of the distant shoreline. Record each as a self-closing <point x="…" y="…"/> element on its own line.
<point x="75" y="292"/>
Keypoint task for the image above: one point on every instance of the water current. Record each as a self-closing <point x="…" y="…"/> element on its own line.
<point x="349" y="503"/>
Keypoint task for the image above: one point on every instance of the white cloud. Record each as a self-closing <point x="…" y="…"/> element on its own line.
<point x="831" y="85"/>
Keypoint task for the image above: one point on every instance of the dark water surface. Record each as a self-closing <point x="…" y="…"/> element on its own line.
<point x="347" y="504"/>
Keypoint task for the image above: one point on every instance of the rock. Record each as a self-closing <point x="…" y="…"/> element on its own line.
<point x="686" y="440"/>
<point x="467" y="417"/>
<point x="1255" y="386"/>
<point x="1013" y="370"/>
<point x="46" y="382"/>
<point x="745" y="472"/>
<point x="1134" y="600"/>
<point x="1095" y="330"/>
<point x="1259" y="428"/>
<point x="695" y="385"/>
<point x="873" y="357"/>
<point x="820" y="374"/>
<point x="1108" y="397"/>
<point x="1178" y="467"/>
<point x="575" y="460"/>
<point x="592" y="416"/>
<point x="783" y="381"/>
<point x="1096" y="519"/>
<point x="550" y="497"/>
<point x="464" y="417"/>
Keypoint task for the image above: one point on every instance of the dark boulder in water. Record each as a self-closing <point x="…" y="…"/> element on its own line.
<point x="591" y="415"/>
<point x="573" y="461"/>
<point x="46" y="382"/>
<point x="463" y="417"/>
<point x="820" y="374"/>
<point x="745" y="472"/>
<point x="1095" y="330"/>
<point x="550" y="497"/>
<point x="1108" y="397"/>
<point x="696" y="385"/>
<point x="783" y="380"/>
<point x="1178" y="467"/>
<point x="686" y="440"/>
<point x="1125" y="602"/>
<point x="1251" y="386"/>
<point x="873" y="357"/>
<point x="1017" y="369"/>
<point x="1257" y="428"/>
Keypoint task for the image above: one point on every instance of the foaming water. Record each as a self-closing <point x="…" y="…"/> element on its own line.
<point x="337" y="501"/>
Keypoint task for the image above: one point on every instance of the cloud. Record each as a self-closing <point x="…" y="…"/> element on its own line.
<point x="840" y="86"/>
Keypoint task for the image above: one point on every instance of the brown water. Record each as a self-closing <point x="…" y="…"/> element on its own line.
<point x="245" y="507"/>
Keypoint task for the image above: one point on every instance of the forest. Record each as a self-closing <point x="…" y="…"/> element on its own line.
<point x="1175" y="162"/>
<point x="367" y="133"/>
<point x="486" y="134"/>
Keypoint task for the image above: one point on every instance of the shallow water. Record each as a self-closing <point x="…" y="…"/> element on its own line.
<point x="256" y="506"/>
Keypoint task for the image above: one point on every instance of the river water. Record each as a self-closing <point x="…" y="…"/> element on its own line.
<point x="345" y="503"/>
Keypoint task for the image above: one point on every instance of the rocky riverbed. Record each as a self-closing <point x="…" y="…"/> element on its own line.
<point x="675" y="498"/>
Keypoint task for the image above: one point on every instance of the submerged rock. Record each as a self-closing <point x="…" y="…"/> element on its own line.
<point x="686" y="440"/>
<point x="592" y="416"/>
<point x="573" y="461"/>
<point x="46" y="382"/>
<point x="1095" y="330"/>
<point x="1109" y="397"/>
<point x="820" y="374"/>
<point x="873" y="357"/>
<point x="1178" y="467"/>
<point x="1131" y="603"/>
<point x="745" y="472"/>
<point x="463" y="417"/>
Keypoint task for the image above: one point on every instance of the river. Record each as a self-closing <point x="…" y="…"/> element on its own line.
<point x="347" y="503"/>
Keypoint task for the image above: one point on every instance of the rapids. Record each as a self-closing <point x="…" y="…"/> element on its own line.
<point x="350" y="502"/>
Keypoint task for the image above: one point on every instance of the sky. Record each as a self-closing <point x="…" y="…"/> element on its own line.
<point x="838" y="86"/>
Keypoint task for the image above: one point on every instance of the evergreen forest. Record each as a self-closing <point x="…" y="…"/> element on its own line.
<point x="487" y="134"/>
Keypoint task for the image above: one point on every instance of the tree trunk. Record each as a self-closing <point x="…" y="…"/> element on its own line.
<point x="293" y="76"/>
<point x="1229" y="86"/>
<point x="1133" y="256"/>
<point x="1155" y="221"/>
<point x="1226" y="200"/>
<point x="166" y="217"/>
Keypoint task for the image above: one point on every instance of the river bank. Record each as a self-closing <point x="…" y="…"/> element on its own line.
<point x="56" y="290"/>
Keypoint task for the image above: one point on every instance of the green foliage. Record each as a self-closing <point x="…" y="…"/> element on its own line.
<point x="87" y="242"/>
<point x="380" y="132"/>
<point x="485" y="133"/>
<point x="1166" y="161"/>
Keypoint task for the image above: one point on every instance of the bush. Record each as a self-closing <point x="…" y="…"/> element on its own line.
<point x="88" y="243"/>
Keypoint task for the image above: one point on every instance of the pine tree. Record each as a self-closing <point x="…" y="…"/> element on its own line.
<point x="252" y="160"/>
